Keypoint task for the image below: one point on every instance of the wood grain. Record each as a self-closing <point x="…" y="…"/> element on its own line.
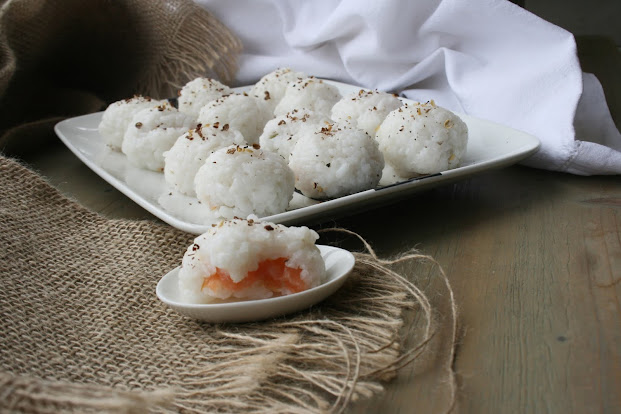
<point x="534" y="259"/>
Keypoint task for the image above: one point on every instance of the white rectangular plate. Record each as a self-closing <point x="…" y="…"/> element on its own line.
<point x="490" y="146"/>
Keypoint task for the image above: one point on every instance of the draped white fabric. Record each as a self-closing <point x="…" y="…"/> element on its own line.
<point x="487" y="58"/>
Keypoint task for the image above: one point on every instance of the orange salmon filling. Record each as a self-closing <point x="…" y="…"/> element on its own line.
<point x="274" y="274"/>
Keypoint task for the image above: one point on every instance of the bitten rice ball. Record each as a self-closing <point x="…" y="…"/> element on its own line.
<point x="334" y="161"/>
<point x="422" y="138"/>
<point x="311" y="93"/>
<point x="237" y="181"/>
<point x="365" y="109"/>
<point x="242" y="112"/>
<point x="151" y="132"/>
<point x="250" y="259"/>
<point x="198" y="93"/>
<point x="281" y="133"/>
<point x="271" y="87"/>
<point x="190" y="151"/>
<point x="117" y="116"/>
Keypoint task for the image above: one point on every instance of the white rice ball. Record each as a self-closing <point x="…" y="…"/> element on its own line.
<point x="190" y="151"/>
<point x="422" y="138"/>
<point x="151" y="132"/>
<point x="237" y="181"/>
<point x="198" y="93"/>
<point x="250" y="259"/>
<point x="334" y="161"/>
<point x="242" y="112"/>
<point x="271" y="87"/>
<point x="117" y="116"/>
<point x="281" y="133"/>
<point x="365" y="109"/>
<point x="311" y="93"/>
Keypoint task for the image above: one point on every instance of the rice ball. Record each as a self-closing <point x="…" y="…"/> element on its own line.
<point x="198" y="93"/>
<point x="117" y="116"/>
<point x="334" y="161"/>
<point x="422" y="138"/>
<point x="250" y="259"/>
<point x="311" y="93"/>
<point x="281" y="133"/>
<point x="237" y="181"/>
<point x="151" y="132"/>
<point x="365" y="109"/>
<point x="190" y="151"/>
<point x="271" y="87"/>
<point x="242" y="112"/>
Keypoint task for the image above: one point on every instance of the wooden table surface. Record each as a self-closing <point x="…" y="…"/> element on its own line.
<point x="534" y="260"/>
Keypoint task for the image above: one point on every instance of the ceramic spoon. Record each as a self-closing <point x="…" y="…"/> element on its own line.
<point x="339" y="264"/>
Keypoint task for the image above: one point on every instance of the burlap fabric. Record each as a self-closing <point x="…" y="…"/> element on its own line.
<point x="82" y="329"/>
<point x="61" y="58"/>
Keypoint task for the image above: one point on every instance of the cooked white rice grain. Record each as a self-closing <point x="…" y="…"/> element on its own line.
<point x="242" y="112"/>
<point x="198" y="93"/>
<point x="422" y="138"/>
<point x="365" y="109"/>
<point x="117" y="116"/>
<point x="250" y="259"/>
<point x="311" y="93"/>
<point x="237" y="181"/>
<point x="334" y="161"/>
<point x="271" y="87"/>
<point x="281" y="133"/>
<point x="191" y="150"/>
<point x="151" y="132"/>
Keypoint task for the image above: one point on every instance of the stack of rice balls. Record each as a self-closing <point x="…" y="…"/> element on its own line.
<point x="246" y="153"/>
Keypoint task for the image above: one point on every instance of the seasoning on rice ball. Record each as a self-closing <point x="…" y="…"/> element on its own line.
<point x="237" y="181"/>
<point x="151" y="132"/>
<point x="118" y="115"/>
<point x="271" y="87"/>
<point x="281" y="133"/>
<point x="191" y="150"/>
<point x="422" y="138"/>
<point x="365" y="109"/>
<point x="311" y="93"/>
<point x="242" y="112"/>
<point x="250" y="259"/>
<point x="198" y="93"/>
<point x="334" y="161"/>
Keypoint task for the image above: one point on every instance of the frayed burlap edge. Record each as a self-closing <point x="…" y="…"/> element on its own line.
<point x="320" y="360"/>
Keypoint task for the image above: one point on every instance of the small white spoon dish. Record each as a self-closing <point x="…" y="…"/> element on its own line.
<point x="339" y="264"/>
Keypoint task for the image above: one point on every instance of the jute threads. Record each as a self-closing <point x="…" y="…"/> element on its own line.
<point x="83" y="329"/>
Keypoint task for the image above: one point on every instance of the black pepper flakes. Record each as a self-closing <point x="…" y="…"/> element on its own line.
<point x="269" y="228"/>
<point x="138" y="125"/>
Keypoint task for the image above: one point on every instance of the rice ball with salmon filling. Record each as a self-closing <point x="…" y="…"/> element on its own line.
<point x="152" y="132"/>
<point x="422" y="138"/>
<point x="281" y="133"/>
<point x="334" y="161"/>
<point x="250" y="259"/>
<point x="237" y="181"/>
<point x="118" y="115"/>
<point x="198" y="93"/>
<point x="311" y="93"/>
<point x="190" y="151"/>
<point x="271" y="87"/>
<point x="242" y="112"/>
<point x="365" y="109"/>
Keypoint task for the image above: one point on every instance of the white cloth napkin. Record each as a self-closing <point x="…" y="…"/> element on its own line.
<point x="487" y="58"/>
